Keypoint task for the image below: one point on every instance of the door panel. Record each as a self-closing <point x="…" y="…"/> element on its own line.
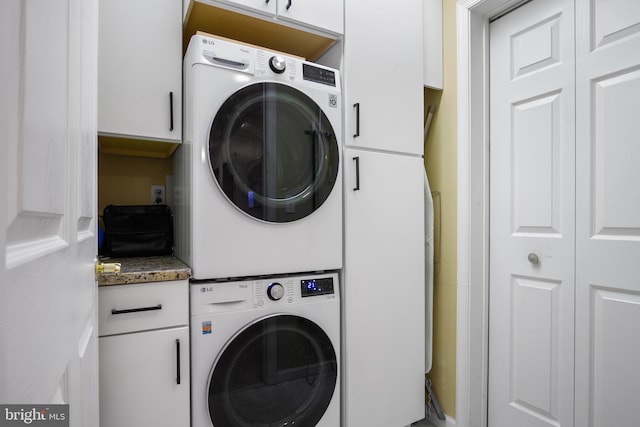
<point x="532" y="216"/>
<point x="615" y="206"/>
<point x="535" y="175"/>
<point x="535" y="347"/>
<point x="608" y="206"/>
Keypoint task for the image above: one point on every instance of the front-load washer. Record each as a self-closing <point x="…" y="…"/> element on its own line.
<point x="258" y="176"/>
<point x="266" y="352"/>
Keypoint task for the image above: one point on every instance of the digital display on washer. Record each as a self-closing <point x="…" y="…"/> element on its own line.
<point x="318" y="75"/>
<point x="315" y="287"/>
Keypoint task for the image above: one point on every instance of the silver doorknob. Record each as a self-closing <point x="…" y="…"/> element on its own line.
<point x="533" y="258"/>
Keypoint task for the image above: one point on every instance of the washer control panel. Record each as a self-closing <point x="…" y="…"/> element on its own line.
<point x="319" y="286"/>
<point x="293" y="289"/>
<point x="275" y="291"/>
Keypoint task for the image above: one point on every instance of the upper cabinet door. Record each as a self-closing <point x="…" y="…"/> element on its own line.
<point x="140" y="69"/>
<point x="267" y="7"/>
<point x="383" y="76"/>
<point x="322" y="14"/>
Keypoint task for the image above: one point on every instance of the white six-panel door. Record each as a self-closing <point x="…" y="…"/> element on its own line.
<point x="608" y="207"/>
<point x="48" y="91"/>
<point x="532" y="216"/>
<point x="565" y="215"/>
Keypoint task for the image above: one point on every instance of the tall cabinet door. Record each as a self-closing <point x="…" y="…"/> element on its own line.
<point x="383" y="297"/>
<point x="608" y="221"/>
<point x="383" y="77"/>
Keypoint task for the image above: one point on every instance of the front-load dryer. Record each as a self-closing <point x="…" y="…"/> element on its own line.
<point x="258" y="176"/>
<point x="266" y="352"/>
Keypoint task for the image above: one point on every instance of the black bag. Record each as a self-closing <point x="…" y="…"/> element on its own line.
<point x="143" y="230"/>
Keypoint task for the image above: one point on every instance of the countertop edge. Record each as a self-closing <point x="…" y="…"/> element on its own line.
<point x="145" y="270"/>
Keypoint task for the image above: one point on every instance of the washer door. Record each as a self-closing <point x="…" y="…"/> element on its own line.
<point x="273" y="152"/>
<point x="281" y="370"/>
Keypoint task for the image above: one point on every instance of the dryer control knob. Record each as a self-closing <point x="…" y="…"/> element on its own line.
<point x="277" y="64"/>
<point x="275" y="291"/>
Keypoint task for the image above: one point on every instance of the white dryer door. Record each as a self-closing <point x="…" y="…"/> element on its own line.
<point x="273" y="152"/>
<point x="280" y="370"/>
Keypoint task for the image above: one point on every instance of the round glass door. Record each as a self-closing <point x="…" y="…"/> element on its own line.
<point x="273" y="152"/>
<point x="281" y="370"/>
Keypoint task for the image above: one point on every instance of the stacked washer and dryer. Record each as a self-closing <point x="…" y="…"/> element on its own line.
<point x="258" y="213"/>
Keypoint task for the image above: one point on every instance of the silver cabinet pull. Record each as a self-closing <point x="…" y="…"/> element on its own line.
<point x="533" y="258"/>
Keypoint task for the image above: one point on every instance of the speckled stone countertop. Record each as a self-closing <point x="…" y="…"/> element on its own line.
<point x="144" y="270"/>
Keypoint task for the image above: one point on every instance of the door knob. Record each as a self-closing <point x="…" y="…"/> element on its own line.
<point x="533" y="258"/>
<point x="108" y="267"/>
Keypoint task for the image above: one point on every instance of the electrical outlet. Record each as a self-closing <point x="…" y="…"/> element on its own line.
<point x="157" y="195"/>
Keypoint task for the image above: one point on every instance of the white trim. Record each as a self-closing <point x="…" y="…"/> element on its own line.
<point x="473" y="203"/>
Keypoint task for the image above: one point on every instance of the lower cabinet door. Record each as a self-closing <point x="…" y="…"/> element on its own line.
<point x="144" y="379"/>
<point x="383" y="289"/>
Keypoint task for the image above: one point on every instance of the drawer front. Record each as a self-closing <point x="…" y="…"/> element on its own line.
<point x="143" y="306"/>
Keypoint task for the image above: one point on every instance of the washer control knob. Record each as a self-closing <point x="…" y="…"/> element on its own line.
<point x="275" y="291"/>
<point x="277" y="64"/>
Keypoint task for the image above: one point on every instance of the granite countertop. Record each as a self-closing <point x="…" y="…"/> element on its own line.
<point x="144" y="270"/>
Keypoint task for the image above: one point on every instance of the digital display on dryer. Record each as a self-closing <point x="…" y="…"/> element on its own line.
<point x="318" y="75"/>
<point x="315" y="287"/>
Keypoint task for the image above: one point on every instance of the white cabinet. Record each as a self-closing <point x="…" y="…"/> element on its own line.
<point x="384" y="264"/>
<point x="144" y="379"/>
<point x="322" y="15"/>
<point x="383" y="75"/>
<point x="384" y="282"/>
<point x="140" y="69"/>
<point x="144" y="355"/>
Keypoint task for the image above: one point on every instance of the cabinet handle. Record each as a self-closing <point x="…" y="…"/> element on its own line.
<point x="288" y="4"/>
<point x="136" y="310"/>
<point x="357" y="162"/>
<point x="267" y="1"/>
<point x="357" y="107"/>
<point x="171" y="111"/>
<point x="178" y="358"/>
